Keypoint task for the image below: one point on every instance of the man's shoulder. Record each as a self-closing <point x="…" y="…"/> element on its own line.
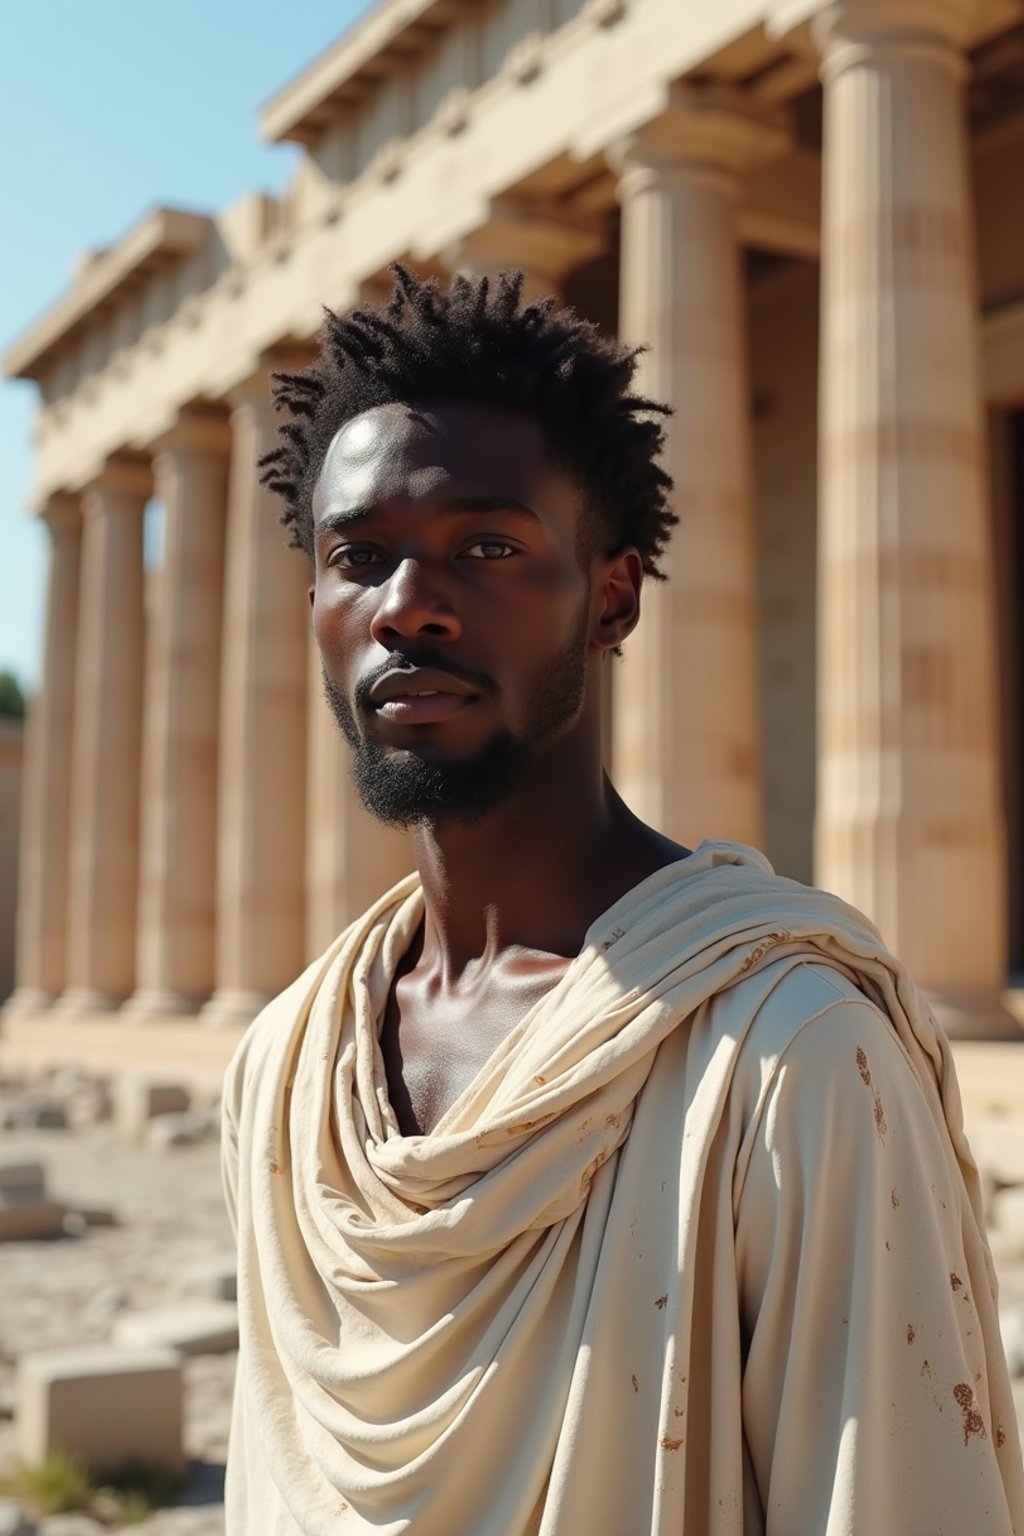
<point x="269" y="1037"/>
<point x="804" y="1016"/>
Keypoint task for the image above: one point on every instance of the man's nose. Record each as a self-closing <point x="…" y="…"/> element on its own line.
<point x="413" y="601"/>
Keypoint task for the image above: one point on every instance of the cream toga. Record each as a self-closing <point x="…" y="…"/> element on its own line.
<point x="698" y="1253"/>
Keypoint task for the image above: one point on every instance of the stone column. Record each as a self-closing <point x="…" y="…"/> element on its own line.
<point x="106" y="745"/>
<point x="544" y="246"/>
<point x="687" y="739"/>
<point x="262" y="781"/>
<point x="909" y="818"/>
<point x="351" y="859"/>
<point x="179" y="808"/>
<point x="43" y="893"/>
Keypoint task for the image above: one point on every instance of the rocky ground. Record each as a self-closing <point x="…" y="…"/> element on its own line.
<point x="71" y="1290"/>
<point x="169" y="1219"/>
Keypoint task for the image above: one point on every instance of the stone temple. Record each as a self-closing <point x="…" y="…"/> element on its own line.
<point x="812" y="214"/>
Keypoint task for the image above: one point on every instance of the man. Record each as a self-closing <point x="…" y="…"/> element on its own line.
<point x="587" y="1186"/>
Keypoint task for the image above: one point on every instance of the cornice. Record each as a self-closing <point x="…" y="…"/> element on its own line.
<point x="385" y="36"/>
<point x="162" y="233"/>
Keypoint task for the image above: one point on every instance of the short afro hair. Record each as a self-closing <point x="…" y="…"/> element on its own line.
<point x="477" y="341"/>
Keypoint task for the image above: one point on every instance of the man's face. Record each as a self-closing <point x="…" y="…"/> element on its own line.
<point x="449" y="605"/>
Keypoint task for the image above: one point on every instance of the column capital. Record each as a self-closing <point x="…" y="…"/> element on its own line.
<point x="200" y="432"/>
<point x="845" y="32"/>
<point x="702" y="132"/>
<point x="120" y="477"/>
<point x="61" y="511"/>
<point x="545" y="245"/>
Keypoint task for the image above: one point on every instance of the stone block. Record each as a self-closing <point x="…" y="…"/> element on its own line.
<point x="997" y="1142"/>
<point x="21" y="1220"/>
<point x="18" y="1174"/>
<point x="138" y="1100"/>
<point x="191" y="1328"/>
<point x="108" y="1406"/>
<point x="215" y="1278"/>
<point x="178" y="1128"/>
<point x="88" y="1106"/>
<point x="79" y="1219"/>
<point x="1006" y="1211"/>
<point x="38" y="1115"/>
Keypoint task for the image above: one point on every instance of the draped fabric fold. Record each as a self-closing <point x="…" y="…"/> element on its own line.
<point x="535" y="1319"/>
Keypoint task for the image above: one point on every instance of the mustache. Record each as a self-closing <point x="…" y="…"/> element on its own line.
<point x="479" y="682"/>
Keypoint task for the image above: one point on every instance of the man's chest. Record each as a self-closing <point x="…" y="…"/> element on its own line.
<point x="433" y="1048"/>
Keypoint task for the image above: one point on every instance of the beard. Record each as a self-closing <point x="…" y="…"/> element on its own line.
<point x="401" y="788"/>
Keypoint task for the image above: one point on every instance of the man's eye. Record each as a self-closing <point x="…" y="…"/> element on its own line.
<point x="490" y="549"/>
<point x="350" y="556"/>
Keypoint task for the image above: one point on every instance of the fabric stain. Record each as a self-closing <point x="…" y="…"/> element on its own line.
<point x="662" y="1301"/>
<point x="770" y="941"/>
<point x="974" y="1424"/>
<point x="955" y="1283"/>
<point x="911" y="1335"/>
<point x="526" y="1126"/>
<point x="865" y="1076"/>
<point x="636" y="1384"/>
<point x="895" y="1199"/>
<point x="668" y="1444"/>
<point x="274" y="1168"/>
<point x="1000" y="1437"/>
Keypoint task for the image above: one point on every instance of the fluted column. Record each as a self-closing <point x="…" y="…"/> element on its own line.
<point x="909" y="819"/>
<point x="106" y="743"/>
<point x="687" y="740"/>
<point x="351" y="859"/>
<point x="262" y="778"/>
<point x="179" y="808"/>
<point x="543" y="245"/>
<point x="43" y="889"/>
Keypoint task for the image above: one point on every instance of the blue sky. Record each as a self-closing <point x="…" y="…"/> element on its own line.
<point x="108" y="107"/>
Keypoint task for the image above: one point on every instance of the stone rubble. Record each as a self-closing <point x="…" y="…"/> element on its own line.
<point x="189" y="1328"/>
<point x="139" y="1100"/>
<point x="167" y="1243"/>
<point x="181" y="1128"/>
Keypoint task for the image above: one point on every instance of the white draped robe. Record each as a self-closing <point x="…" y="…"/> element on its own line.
<point x="699" y="1252"/>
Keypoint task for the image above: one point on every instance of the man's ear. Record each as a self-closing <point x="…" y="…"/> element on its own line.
<point x="617" y="582"/>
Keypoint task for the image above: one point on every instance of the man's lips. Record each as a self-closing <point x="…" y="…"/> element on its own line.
<point x="421" y="695"/>
<point x="424" y="708"/>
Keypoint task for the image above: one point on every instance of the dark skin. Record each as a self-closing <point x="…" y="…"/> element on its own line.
<point x="445" y="529"/>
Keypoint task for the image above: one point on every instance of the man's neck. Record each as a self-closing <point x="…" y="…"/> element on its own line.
<point x="533" y="875"/>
